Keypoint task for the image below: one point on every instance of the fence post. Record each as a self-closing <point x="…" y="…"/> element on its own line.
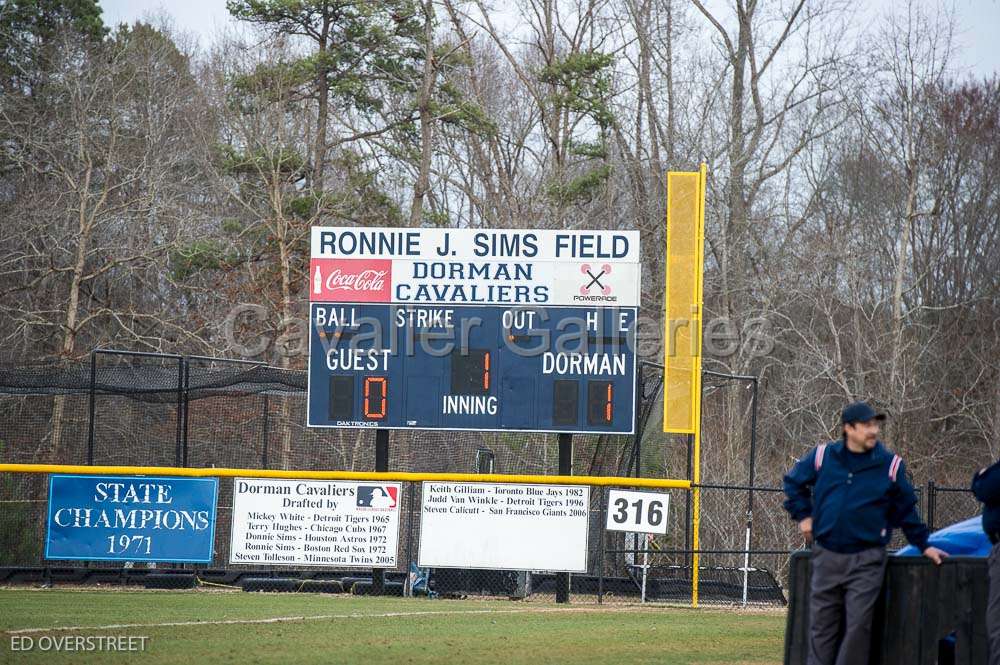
<point x="753" y="462"/>
<point x="90" y="423"/>
<point x="687" y="506"/>
<point x="187" y="406"/>
<point x="381" y="464"/>
<point x="565" y="469"/>
<point x="263" y="434"/>
<point x="180" y="411"/>
<point x="931" y="504"/>
<point x="638" y="423"/>
<point x="600" y="525"/>
<point x="407" y="586"/>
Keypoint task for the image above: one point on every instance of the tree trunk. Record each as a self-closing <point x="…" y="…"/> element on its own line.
<point x="422" y="185"/>
<point x="733" y="269"/>
<point x="323" y="95"/>
<point x="670" y="84"/>
<point x="285" y="265"/>
<point x="68" y="347"/>
<point x="897" y="288"/>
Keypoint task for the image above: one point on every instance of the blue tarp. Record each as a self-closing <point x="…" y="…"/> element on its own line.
<point x="964" y="538"/>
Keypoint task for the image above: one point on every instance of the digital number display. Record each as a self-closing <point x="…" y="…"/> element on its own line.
<point x="565" y="402"/>
<point x="470" y="371"/>
<point x="600" y="402"/>
<point x="375" y="397"/>
<point x="341" y="397"/>
<point x="484" y="368"/>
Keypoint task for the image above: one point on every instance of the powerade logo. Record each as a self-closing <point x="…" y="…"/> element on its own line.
<point x="377" y="497"/>
<point x="596" y="286"/>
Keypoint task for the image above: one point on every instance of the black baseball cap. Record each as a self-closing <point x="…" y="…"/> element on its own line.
<point x="859" y="412"/>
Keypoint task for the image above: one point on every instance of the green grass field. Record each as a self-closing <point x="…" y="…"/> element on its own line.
<point x="234" y="627"/>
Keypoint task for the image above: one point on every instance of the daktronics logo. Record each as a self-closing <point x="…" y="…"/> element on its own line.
<point x="350" y="280"/>
<point x="596" y="286"/>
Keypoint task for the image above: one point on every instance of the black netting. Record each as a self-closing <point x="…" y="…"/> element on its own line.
<point x="155" y="410"/>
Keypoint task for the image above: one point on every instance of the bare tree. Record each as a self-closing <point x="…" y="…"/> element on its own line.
<point x="102" y="181"/>
<point x="911" y="53"/>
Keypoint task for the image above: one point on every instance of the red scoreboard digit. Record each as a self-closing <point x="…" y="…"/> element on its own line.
<point x="376" y="396"/>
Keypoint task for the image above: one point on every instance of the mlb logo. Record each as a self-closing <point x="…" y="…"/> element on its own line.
<point x="377" y="496"/>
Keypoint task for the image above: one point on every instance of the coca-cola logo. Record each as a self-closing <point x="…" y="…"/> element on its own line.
<point x="366" y="280"/>
<point x="346" y="280"/>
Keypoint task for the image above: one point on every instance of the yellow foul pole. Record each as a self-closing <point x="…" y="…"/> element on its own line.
<point x="696" y="475"/>
<point x="683" y="325"/>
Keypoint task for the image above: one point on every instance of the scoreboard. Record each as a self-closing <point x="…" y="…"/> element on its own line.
<point x="472" y="367"/>
<point x="458" y="329"/>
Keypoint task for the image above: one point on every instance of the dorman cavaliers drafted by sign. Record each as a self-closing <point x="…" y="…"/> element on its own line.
<point x="314" y="523"/>
<point x="467" y="329"/>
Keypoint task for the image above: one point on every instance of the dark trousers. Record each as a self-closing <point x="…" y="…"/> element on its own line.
<point x="993" y="607"/>
<point x="841" y="601"/>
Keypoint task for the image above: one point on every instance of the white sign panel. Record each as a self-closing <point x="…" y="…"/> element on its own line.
<point x="640" y="512"/>
<point x="315" y="523"/>
<point x="506" y="527"/>
<point x="475" y="267"/>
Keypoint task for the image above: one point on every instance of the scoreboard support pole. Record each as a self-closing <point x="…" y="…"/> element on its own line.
<point x="381" y="464"/>
<point x="565" y="469"/>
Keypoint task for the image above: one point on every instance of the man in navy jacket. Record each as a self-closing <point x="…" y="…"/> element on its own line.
<point x="847" y="496"/>
<point x="986" y="487"/>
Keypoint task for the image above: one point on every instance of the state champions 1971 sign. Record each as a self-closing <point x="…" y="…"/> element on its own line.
<point x="528" y="330"/>
<point x="131" y="518"/>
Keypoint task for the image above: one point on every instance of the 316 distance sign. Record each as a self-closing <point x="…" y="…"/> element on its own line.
<point x="638" y="512"/>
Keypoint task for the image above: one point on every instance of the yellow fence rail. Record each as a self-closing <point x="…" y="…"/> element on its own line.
<point x="406" y="476"/>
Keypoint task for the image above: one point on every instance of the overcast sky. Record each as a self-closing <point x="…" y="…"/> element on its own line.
<point x="978" y="39"/>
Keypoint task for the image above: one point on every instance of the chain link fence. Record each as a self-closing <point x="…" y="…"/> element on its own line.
<point x="157" y="410"/>
<point x="948" y="505"/>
